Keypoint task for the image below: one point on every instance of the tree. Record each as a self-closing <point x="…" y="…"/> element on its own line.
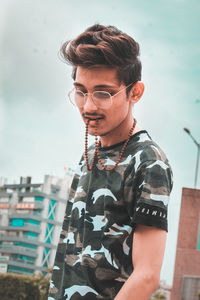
<point x="158" y="296"/>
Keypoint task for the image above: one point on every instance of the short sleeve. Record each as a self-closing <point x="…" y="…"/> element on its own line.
<point x="152" y="185"/>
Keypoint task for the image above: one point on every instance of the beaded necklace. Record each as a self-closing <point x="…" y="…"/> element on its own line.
<point x="96" y="152"/>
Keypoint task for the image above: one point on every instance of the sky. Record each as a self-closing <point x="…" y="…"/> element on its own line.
<point x="41" y="132"/>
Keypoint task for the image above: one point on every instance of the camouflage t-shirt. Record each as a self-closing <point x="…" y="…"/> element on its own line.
<point x="94" y="254"/>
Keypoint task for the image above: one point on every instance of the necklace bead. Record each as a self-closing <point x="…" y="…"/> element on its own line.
<point x="96" y="152"/>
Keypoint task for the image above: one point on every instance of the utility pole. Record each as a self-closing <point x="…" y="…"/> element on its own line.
<point x="198" y="153"/>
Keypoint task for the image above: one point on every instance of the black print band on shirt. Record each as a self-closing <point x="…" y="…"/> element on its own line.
<point x="150" y="215"/>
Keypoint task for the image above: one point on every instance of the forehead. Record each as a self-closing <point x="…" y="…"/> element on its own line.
<point x="94" y="76"/>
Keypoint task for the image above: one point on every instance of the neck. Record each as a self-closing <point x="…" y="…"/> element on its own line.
<point x="118" y="134"/>
<point x="96" y="152"/>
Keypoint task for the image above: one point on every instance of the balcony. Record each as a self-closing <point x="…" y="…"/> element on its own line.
<point x="12" y="249"/>
<point x="16" y="215"/>
<point x="30" y="205"/>
<point x="33" y="205"/>
<point x="5" y="194"/>
<point x="24" y="265"/>
<point x="26" y="241"/>
<point x="26" y="227"/>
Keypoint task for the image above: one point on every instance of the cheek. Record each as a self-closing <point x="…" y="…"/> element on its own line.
<point x="121" y="109"/>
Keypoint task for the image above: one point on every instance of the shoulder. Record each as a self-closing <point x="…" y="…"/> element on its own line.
<point x="146" y="150"/>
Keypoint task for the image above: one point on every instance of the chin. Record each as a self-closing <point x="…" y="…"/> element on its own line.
<point x="91" y="131"/>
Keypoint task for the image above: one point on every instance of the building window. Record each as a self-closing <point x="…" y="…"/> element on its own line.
<point x="15" y="269"/>
<point x="25" y="245"/>
<point x="31" y="234"/>
<point x="38" y="198"/>
<point x="55" y="189"/>
<point x="48" y="235"/>
<point x="46" y="254"/>
<point x="52" y="209"/>
<point x="23" y="258"/>
<point x="17" y="222"/>
<point x="190" y="288"/>
<point x="32" y="222"/>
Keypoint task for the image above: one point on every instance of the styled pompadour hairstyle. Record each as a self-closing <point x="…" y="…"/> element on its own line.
<point x="105" y="46"/>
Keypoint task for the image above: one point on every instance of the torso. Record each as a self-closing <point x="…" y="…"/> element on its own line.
<point x="97" y="235"/>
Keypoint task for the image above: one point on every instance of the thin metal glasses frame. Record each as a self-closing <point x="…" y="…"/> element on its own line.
<point x="92" y="94"/>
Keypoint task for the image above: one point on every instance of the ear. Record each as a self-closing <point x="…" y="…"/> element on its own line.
<point x="136" y="92"/>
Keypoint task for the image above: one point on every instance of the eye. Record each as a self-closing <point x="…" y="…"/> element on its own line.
<point x="101" y="95"/>
<point x="79" y="93"/>
<point x="112" y="93"/>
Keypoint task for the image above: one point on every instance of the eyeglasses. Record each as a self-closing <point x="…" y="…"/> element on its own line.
<point x="101" y="99"/>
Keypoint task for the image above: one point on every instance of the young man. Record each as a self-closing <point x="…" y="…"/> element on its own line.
<point x="114" y="231"/>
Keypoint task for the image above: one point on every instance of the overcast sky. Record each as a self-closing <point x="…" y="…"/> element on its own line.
<point x="41" y="133"/>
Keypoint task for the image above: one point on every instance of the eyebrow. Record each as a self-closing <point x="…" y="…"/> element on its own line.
<point x="102" y="86"/>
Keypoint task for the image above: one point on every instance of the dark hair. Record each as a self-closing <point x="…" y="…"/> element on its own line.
<point x="105" y="46"/>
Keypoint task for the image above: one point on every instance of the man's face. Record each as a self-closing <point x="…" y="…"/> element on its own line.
<point x="109" y="119"/>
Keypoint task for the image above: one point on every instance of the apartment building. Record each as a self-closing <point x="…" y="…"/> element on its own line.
<point x="31" y="216"/>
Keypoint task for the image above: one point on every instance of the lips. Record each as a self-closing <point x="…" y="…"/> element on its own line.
<point x="92" y="115"/>
<point x="93" y="119"/>
<point x="93" y="122"/>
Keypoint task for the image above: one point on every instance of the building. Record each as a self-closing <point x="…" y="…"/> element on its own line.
<point x="186" y="283"/>
<point x="31" y="216"/>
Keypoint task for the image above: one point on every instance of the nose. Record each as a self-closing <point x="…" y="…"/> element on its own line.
<point x="89" y="103"/>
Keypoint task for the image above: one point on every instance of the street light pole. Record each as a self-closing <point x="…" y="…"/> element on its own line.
<point x="198" y="153"/>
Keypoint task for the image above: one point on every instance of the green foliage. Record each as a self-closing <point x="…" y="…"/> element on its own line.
<point x="23" y="287"/>
<point x="43" y="285"/>
<point x="158" y="296"/>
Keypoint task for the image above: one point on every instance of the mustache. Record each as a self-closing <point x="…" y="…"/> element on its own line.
<point x="94" y="115"/>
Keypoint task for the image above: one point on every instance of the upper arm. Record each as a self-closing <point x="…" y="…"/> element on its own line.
<point x="148" y="249"/>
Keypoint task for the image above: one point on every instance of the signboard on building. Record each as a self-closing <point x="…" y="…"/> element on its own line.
<point x="3" y="266"/>
<point x="4" y="205"/>
<point x="18" y="206"/>
<point x="25" y="206"/>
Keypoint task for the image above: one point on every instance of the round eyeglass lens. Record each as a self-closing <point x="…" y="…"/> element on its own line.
<point x="102" y="99"/>
<point x="78" y="98"/>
